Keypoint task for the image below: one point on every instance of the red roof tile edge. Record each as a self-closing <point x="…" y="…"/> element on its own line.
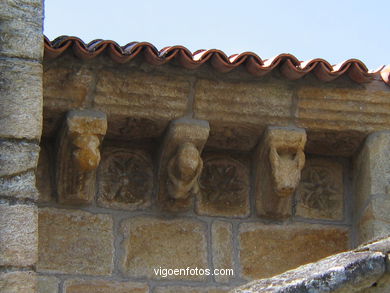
<point x="288" y="64"/>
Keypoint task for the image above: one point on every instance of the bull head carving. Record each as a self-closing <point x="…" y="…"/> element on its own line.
<point x="279" y="162"/>
<point x="286" y="166"/>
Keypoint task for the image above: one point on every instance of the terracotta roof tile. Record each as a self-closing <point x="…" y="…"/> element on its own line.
<point x="288" y="64"/>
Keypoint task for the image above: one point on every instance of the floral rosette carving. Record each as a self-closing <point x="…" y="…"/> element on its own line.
<point x="125" y="177"/>
<point x="224" y="184"/>
<point x="320" y="192"/>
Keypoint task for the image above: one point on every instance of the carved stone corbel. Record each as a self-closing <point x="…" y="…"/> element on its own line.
<point x="180" y="163"/>
<point x="78" y="155"/>
<point x="279" y="159"/>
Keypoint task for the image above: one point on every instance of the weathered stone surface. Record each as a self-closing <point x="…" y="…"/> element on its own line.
<point x="369" y="229"/>
<point x="372" y="168"/>
<point x="180" y="163"/>
<point x="344" y="272"/>
<point x="125" y="179"/>
<point x="229" y="105"/>
<point x="222" y="248"/>
<point x="151" y="243"/>
<point x="17" y="157"/>
<point x="139" y="94"/>
<point x="175" y="289"/>
<point x="224" y="185"/>
<point x="380" y="286"/>
<point x="66" y="88"/>
<point x="343" y="143"/>
<point x="214" y="99"/>
<point x="28" y="10"/>
<point x="325" y="107"/>
<point x="78" y="155"/>
<point x="320" y="194"/>
<point x="233" y="136"/>
<point x="381" y="245"/>
<point x="75" y="242"/>
<point x="18" y="282"/>
<point x="17" y="21"/>
<point x="375" y="220"/>
<point x="267" y="250"/>
<point x="44" y="180"/>
<point x="18" y="235"/>
<point x="279" y="159"/>
<point x="70" y="84"/>
<point x="100" y="286"/>
<point x="19" y="186"/>
<point x="48" y="284"/>
<point x="378" y="207"/>
<point x="21" y="99"/>
<point x="16" y="44"/>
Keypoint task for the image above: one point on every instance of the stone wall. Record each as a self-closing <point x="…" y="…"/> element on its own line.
<point x="21" y="52"/>
<point x="101" y="246"/>
<point x="372" y="188"/>
<point x="132" y="218"/>
<point x="365" y="269"/>
<point x="145" y="168"/>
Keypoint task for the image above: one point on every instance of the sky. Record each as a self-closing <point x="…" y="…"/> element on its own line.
<point x="328" y="29"/>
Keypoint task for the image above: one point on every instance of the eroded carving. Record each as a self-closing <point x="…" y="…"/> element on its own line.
<point x="224" y="188"/>
<point x="183" y="172"/>
<point x="279" y="161"/>
<point x="320" y="192"/>
<point x="180" y="163"/>
<point x="87" y="154"/>
<point x="78" y="155"/>
<point x="125" y="179"/>
<point x="286" y="165"/>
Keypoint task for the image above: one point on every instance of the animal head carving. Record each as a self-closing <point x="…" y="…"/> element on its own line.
<point x="286" y="158"/>
<point x="286" y="166"/>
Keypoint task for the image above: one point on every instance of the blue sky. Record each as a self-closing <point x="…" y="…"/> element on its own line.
<point x="333" y="30"/>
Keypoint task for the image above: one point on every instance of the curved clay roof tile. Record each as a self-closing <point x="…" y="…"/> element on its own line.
<point x="288" y="64"/>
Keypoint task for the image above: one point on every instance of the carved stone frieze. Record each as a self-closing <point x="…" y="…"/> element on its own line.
<point x="78" y="155"/>
<point x="224" y="188"/>
<point x="320" y="192"/>
<point x="279" y="159"/>
<point x="180" y="163"/>
<point x="125" y="179"/>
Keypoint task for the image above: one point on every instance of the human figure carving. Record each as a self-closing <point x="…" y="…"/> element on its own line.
<point x="87" y="154"/>
<point x="183" y="172"/>
<point x="78" y="155"/>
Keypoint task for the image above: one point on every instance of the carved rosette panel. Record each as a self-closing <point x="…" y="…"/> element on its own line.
<point x="320" y="192"/>
<point x="125" y="180"/>
<point x="224" y="185"/>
